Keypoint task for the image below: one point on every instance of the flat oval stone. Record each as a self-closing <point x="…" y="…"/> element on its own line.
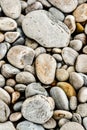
<point x="82" y="95"/>
<point x="60" y="98"/>
<point x="67" y="88"/>
<point x="15" y="116"/>
<point x="73" y="102"/>
<point x="82" y="109"/>
<point x="26" y="125"/>
<point x="76" y="44"/>
<point x="64" y="6"/>
<point x="69" y="55"/>
<point x="7" y="126"/>
<point x="5" y="96"/>
<point x="81" y="64"/>
<point x="17" y="106"/>
<point x="51" y="123"/>
<point x="72" y="126"/>
<point x="8" y="70"/>
<point x="3" y="50"/>
<point x="26" y="77"/>
<point x="20" y="87"/>
<point x="4" y="111"/>
<point x="7" y="24"/>
<point x="45" y="68"/>
<point x="11" y="8"/>
<point x="19" y="56"/>
<point x="55" y="31"/>
<point x="37" y="109"/>
<point x="35" y="89"/>
<point x="80" y="13"/>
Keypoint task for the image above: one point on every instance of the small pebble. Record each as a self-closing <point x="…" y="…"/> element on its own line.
<point x="9" y="89"/>
<point x="30" y="69"/>
<point x="17" y="106"/>
<point x="79" y="28"/>
<point x="10" y="82"/>
<point x="82" y="95"/>
<point x="39" y="50"/>
<point x="15" y="116"/>
<point x="81" y="37"/>
<point x="1" y="37"/>
<point x="62" y="121"/>
<point x="51" y="123"/>
<point x="82" y="109"/>
<point x="20" y="87"/>
<point x="76" y="118"/>
<point x="73" y="103"/>
<point x="15" y="96"/>
<point x="76" y="44"/>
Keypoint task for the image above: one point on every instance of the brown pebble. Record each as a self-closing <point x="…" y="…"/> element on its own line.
<point x="15" y="116"/>
<point x="15" y="96"/>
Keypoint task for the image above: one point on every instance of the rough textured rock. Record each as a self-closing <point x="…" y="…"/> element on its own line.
<point x="54" y="31"/>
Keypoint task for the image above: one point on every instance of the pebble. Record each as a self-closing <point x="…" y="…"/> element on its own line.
<point x="9" y="71"/>
<point x="85" y="49"/>
<point x="1" y="37"/>
<point x="7" y="126"/>
<point x="4" y="111"/>
<point x="76" y="44"/>
<point x="45" y="68"/>
<point x="56" y="50"/>
<point x="62" y="121"/>
<point x="72" y="126"/>
<point x="82" y="109"/>
<point x="82" y="95"/>
<point x="31" y="43"/>
<point x="15" y="116"/>
<point x="37" y="109"/>
<point x="76" y="80"/>
<point x="30" y="69"/>
<point x="73" y="103"/>
<point x="67" y="88"/>
<point x="81" y="37"/>
<point x="11" y="8"/>
<point x="35" y="89"/>
<point x="50" y="124"/>
<point x="80" y="13"/>
<point x="45" y="3"/>
<point x="24" y="5"/>
<point x="3" y="50"/>
<point x="70" y="22"/>
<point x="76" y="118"/>
<point x="15" y="96"/>
<point x="54" y="34"/>
<point x="2" y="81"/>
<point x="57" y="57"/>
<point x="57" y="14"/>
<point x="58" y="114"/>
<point x="9" y="89"/>
<point x="26" y="125"/>
<point x="62" y="75"/>
<point x="65" y="6"/>
<point x="81" y="64"/>
<point x="19" y="20"/>
<point x="30" y="2"/>
<point x="7" y="24"/>
<point x="69" y="55"/>
<point x="19" y="41"/>
<point x="85" y="122"/>
<point x="39" y="50"/>
<point x="10" y="82"/>
<point x="79" y="28"/>
<point x="17" y="106"/>
<point x="84" y="76"/>
<point x="26" y="78"/>
<point x="11" y="36"/>
<point x="5" y="96"/>
<point x="60" y="98"/>
<point x="71" y="69"/>
<point x="19" y="56"/>
<point x="2" y="62"/>
<point x="20" y="87"/>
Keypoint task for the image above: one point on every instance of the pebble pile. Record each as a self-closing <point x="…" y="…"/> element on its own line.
<point x="43" y="64"/>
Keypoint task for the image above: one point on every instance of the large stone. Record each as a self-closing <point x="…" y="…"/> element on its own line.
<point x="66" y="6"/>
<point x="19" y="56"/>
<point x="45" y="68"/>
<point x="48" y="33"/>
<point x="11" y="8"/>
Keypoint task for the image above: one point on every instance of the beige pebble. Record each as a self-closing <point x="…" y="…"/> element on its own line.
<point x="71" y="69"/>
<point x="51" y="123"/>
<point x="76" y="44"/>
<point x="81" y="37"/>
<point x="10" y="82"/>
<point x="82" y="95"/>
<point x="62" y="121"/>
<point x="62" y="74"/>
<point x="15" y="116"/>
<point x="56" y="50"/>
<point x="1" y="37"/>
<point x="31" y="43"/>
<point x="58" y="114"/>
<point x="73" y="103"/>
<point x="15" y="96"/>
<point x="9" y="89"/>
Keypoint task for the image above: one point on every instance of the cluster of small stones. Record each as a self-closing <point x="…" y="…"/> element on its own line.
<point x="43" y="65"/>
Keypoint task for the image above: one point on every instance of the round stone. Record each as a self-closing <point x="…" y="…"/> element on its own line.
<point x="26" y="78"/>
<point x="11" y="8"/>
<point x="19" y="56"/>
<point x="36" y="31"/>
<point x="82" y="95"/>
<point x="69" y="55"/>
<point x="64" y="6"/>
<point x="62" y="74"/>
<point x="76" y="80"/>
<point x="10" y="82"/>
<point x="4" y="111"/>
<point x="80" y="13"/>
<point x="60" y="98"/>
<point x="45" y="68"/>
<point x="76" y="44"/>
<point x="35" y="89"/>
<point x="2" y="81"/>
<point x="15" y="116"/>
<point x="7" y="126"/>
<point x="7" y="24"/>
<point x="26" y="125"/>
<point x="72" y="126"/>
<point x="37" y="109"/>
<point x="82" y="109"/>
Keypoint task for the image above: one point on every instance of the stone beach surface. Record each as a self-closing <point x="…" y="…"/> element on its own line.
<point x="43" y="64"/>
